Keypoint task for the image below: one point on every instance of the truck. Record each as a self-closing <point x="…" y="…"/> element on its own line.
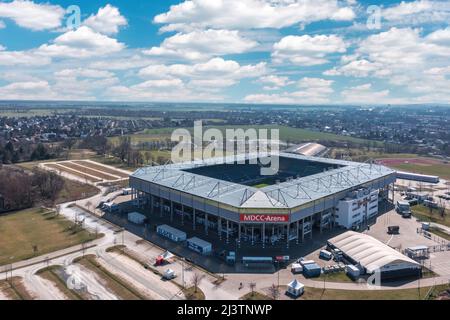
<point x="403" y="208"/>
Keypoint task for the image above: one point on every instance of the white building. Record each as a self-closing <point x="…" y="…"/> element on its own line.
<point x="356" y="208"/>
<point x="371" y="255"/>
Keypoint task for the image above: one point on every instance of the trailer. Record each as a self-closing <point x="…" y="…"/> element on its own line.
<point x="199" y="245"/>
<point x="296" y="268"/>
<point x="171" y="233"/>
<point x="136" y="218"/>
<point x="352" y="271"/>
<point x="326" y="255"/>
<point x="312" y="270"/>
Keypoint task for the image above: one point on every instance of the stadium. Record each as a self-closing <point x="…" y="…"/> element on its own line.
<point x="229" y="198"/>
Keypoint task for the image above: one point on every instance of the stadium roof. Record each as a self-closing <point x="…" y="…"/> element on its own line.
<point x="368" y="251"/>
<point x="289" y="194"/>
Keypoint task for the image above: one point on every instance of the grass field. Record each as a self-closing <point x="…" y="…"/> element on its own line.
<point x="334" y="277"/>
<point x="286" y="133"/>
<point x="404" y="294"/>
<point x="192" y="294"/>
<point x="22" y="230"/>
<point x="117" y="285"/>
<point x="256" y="296"/>
<point x="423" y="214"/>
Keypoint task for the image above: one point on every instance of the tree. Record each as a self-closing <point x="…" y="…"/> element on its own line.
<point x="252" y="286"/>
<point x="196" y="279"/>
<point x="274" y="292"/>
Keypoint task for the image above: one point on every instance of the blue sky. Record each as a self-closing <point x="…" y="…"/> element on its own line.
<point x="243" y="51"/>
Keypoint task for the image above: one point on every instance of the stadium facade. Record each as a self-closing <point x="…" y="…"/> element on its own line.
<point x="230" y="197"/>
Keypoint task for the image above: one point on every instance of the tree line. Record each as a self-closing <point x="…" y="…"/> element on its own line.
<point x="24" y="188"/>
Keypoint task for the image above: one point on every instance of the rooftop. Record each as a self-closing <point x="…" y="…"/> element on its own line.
<point x="338" y="176"/>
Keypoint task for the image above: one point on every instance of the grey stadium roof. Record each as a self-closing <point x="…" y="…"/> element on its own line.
<point x="289" y="194"/>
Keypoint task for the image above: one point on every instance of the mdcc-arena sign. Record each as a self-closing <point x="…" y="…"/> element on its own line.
<point x="264" y="218"/>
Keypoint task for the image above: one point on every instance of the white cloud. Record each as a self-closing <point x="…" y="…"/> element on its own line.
<point x="397" y="54"/>
<point x="2" y="25"/>
<point x="202" y="44"/>
<point x="81" y="43"/>
<point x="313" y="91"/>
<point x="365" y="94"/>
<point x="38" y="90"/>
<point x="248" y="14"/>
<point x="273" y="82"/>
<point x="417" y="12"/>
<point x="307" y="50"/>
<point x="31" y="15"/>
<point x="27" y="58"/>
<point x="212" y="69"/>
<point x="124" y="62"/>
<point x="108" y="20"/>
<point x="84" y="73"/>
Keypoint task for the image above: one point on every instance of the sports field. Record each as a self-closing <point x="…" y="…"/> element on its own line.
<point x="419" y="165"/>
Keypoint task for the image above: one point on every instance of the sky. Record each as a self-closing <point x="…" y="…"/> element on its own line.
<point x="304" y="52"/>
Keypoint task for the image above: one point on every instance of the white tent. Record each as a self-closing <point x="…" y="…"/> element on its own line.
<point x="295" y="288"/>
<point x="371" y="253"/>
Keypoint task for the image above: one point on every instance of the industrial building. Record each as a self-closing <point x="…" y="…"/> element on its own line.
<point x="231" y="198"/>
<point x="371" y="255"/>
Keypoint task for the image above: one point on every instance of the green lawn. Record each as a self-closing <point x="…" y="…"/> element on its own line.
<point x="440" y="233"/>
<point x="256" y="296"/>
<point x="404" y="294"/>
<point x="286" y="133"/>
<point x="423" y="214"/>
<point x="22" y="230"/>
<point x="334" y="277"/>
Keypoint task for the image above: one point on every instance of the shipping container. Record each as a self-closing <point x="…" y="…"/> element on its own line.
<point x="171" y="233"/>
<point x="136" y="218"/>
<point x="199" y="245"/>
<point x="312" y="270"/>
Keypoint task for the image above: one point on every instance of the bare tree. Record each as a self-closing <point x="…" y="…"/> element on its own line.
<point x="196" y="279"/>
<point x="274" y="292"/>
<point x="252" y="286"/>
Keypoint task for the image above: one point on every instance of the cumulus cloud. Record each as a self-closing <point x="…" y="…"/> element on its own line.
<point x="81" y="43"/>
<point x="312" y="91"/>
<point x="363" y="93"/>
<point x="26" y="58"/>
<point x="202" y="44"/>
<point x="307" y="50"/>
<point x="248" y="14"/>
<point x="30" y="15"/>
<point x="84" y="72"/>
<point x="418" y="12"/>
<point x="108" y="20"/>
<point x="212" y="69"/>
<point x="27" y="91"/>
<point x="273" y="82"/>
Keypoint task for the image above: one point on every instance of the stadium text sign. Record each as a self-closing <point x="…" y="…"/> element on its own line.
<point x="265" y="218"/>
